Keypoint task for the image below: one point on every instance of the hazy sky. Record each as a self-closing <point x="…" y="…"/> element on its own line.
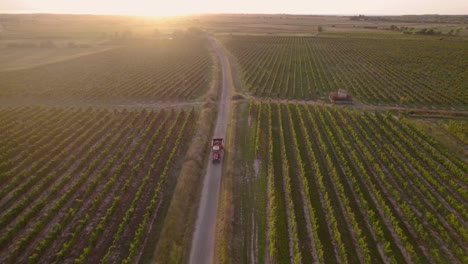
<point x="175" y="7"/>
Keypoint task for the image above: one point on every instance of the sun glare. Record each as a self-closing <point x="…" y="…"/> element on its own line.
<point x="184" y="7"/>
<point x="145" y="8"/>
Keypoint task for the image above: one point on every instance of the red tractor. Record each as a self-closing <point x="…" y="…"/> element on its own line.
<point x="217" y="148"/>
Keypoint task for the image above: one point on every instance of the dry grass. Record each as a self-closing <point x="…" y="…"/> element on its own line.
<point x="238" y="96"/>
<point x="224" y="220"/>
<point x="225" y="214"/>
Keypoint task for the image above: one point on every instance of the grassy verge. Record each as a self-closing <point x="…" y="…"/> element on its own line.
<point x="174" y="244"/>
<point x="240" y="230"/>
<point x="223" y="232"/>
<point x="148" y="251"/>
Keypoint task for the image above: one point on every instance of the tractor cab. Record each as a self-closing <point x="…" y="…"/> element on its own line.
<point x="217" y="148"/>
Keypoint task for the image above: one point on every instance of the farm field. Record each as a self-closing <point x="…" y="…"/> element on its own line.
<point x="457" y="129"/>
<point x="336" y="185"/>
<point x="86" y="185"/>
<point x="105" y="139"/>
<point x="390" y="71"/>
<point x="23" y="58"/>
<point x="140" y="71"/>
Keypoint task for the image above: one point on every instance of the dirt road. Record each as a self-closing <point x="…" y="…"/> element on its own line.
<point x="203" y="239"/>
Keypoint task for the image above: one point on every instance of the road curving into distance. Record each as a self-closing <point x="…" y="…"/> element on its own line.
<point x="202" y="248"/>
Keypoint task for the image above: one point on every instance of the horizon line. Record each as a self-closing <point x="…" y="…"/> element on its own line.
<point x="214" y="13"/>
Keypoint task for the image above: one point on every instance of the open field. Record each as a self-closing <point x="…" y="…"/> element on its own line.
<point x="284" y="24"/>
<point x="144" y="71"/>
<point x="86" y="186"/>
<point x="21" y="58"/>
<point x="89" y="29"/>
<point x="423" y="72"/>
<point x="337" y="185"/>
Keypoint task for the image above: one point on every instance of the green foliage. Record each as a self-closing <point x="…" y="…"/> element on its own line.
<point x="385" y="71"/>
<point x="85" y="198"/>
<point x="383" y="185"/>
<point x="146" y="71"/>
<point x="458" y="129"/>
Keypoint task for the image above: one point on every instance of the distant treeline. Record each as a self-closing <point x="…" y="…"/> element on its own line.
<point x="424" y="31"/>
<point x="444" y="19"/>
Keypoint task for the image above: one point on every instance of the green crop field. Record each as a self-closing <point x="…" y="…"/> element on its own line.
<point x="337" y="185"/>
<point x="95" y="128"/>
<point x="138" y="72"/>
<point x="86" y="186"/>
<point x="422" y="72"/>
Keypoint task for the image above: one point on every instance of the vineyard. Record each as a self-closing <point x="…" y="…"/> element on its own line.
<point x="377" y="71"/>
<point x="103" y="156"/>
<point x="344" y="186"/>
<point x="86" y="186"/>
<point x="457" y="129"/>
<point x="143" y="72"/>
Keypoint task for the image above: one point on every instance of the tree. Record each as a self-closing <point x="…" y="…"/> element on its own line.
<point x="394" y="28"/>
<point x="319" y="29"/>
<point x="422" y="31"/>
